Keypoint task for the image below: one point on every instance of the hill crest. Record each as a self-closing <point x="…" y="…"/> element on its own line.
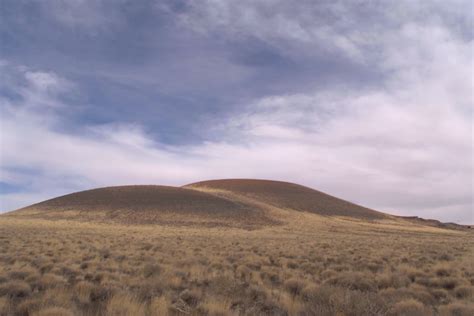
<point x="229" y="202"/>
<point x="292" y="196"/>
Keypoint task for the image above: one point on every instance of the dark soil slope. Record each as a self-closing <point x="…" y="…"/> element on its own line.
<point x="290" y="196"/>
<point x="148" y="204"/>
<point x="234" y="203"/>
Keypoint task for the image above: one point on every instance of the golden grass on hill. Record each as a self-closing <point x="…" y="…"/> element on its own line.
<point x="288" y="196"/>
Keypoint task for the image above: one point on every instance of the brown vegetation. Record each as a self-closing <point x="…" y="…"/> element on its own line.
<point x="234" y="203"/>
<point x="289" y="196"/>
<point x="325" y="267"/>
<point x="308" y="264"/>
<point x="148" y="204"/>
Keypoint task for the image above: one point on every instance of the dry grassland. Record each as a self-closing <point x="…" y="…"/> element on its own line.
<point x="312" y="265"/>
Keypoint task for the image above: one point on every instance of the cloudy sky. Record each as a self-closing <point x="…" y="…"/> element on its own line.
<point x="370" y="101"/>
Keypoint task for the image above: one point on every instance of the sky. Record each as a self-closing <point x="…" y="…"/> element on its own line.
<point x="369" y="101"/>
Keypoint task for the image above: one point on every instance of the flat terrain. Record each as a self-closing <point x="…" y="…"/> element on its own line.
<point x="293" y="262"/>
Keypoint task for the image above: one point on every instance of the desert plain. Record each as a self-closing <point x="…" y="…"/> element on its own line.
<point x="228" y="247"/>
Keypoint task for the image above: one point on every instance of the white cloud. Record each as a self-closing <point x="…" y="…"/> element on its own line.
<point x="408" y="144"/>
<point x="354" y="29"/>
<point x="404" y="147"/>
<point x="288" y="26"/>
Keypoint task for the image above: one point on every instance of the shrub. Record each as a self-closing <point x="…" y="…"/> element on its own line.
<point x="190" y="297"/>
<point x="124" y="305"/>
<point x="159" y="306"/>
<point x="49" y="280"/>
<point x="441" y="296"/>
<point x="4" y="306"/>
<point x="456" y="309"/>
<point x="292" y="265"/>
<point x="28" y="306"/>
<point x="294" y="286"/>
<point x="421" y="294"/>
<point x="413" y="274"/>
<point x="83" y="291"/>
<point x="57" y="297"/>
<point x="15" y="289"/>
<point x="21" y="274"/>
<point x="391" y="280"/>
<point x="272" y="278"/>
<point x="442" y="270"/>
<point x="448" y="283"/>
<point x="395" y="295"/>
<point x="151" y="270"/>
<point x="409" y="307"/>
<point x="214" y="307"/>
<point x="353" y="281"/>
<point x="254" y="294"/>
<point x="104" y="253"/>
<point x="101" y="293"/>
<point x="244" y="273"/>
<point x="54" y="311"/>
<point x="84" y="265"/>
<point x="326" y="274"/>
<point x="308" y="293"/>
<point x="268" y="307"/>
<point x="463" y="292"/>
<point x="330" y="300"/>
<point x="446" y="257"/>
<point x="180" y="307"/>
<point x="47" y="267"/>
<point x="147" y="289"/>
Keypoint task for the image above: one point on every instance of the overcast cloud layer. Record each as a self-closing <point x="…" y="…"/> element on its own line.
<point x="368" y="101"/>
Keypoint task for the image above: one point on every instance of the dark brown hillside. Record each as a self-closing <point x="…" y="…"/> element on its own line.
<point x="290" y="196"/>
<point x="235" y="202"/>
<point x="147" y="204"/>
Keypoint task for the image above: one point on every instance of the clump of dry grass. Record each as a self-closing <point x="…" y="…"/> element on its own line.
<point x="15" y="289"/>
<point x="5" y="306"/>
<point x="353" y="281"/>
<point x="28" y="306"/>
<point x="84" y="291"/>
<point x="123" y="304"/>
<point x="464" y="292"/>
<point x="294" y="286"/>
<point x="215" y="307"/>
<point x="151" y="270"/>
<point x="409" y="307"/>
<point x="457" y="309"/>
<point x="54" y="311"/>
<point x="159" y="306"/>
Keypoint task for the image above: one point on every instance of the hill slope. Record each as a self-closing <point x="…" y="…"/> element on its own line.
<point x="290" y="196"/>
<point x="147" y="204"/>
<point x="245" y="203"/>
